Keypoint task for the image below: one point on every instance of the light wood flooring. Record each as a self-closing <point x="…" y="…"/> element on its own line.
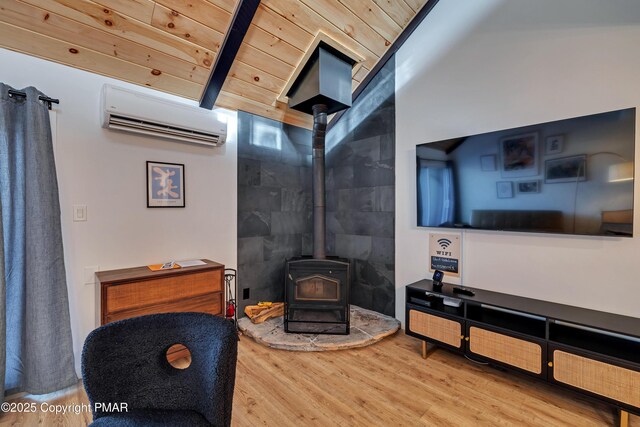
<point x="387" y="384"/>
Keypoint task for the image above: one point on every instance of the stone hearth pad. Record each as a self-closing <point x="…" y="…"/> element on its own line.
<point x="367" y="327"/>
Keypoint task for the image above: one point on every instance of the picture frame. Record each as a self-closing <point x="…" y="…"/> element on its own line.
<point x="519" y="155"/>
<point x="165" y="185"/>
<point x="488" y="163"/>
<point x="554" y="144"/>
<point x="566" y="169"/>
<point x="504" y="189"/>
<point x="528" y="187"/>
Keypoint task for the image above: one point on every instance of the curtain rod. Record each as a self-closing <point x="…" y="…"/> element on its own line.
<point x="46" y="99"/>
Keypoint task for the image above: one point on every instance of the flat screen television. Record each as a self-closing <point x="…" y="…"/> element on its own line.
<point x="572" y="176"/>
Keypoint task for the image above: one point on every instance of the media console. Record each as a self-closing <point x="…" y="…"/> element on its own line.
<point x="589" y="351"/>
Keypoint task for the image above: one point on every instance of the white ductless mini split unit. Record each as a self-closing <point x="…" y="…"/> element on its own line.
<point x="130" y="111"/>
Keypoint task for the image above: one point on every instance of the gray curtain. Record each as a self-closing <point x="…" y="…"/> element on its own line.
<point x="38" y="346"/>
<point x="3" y="324"/>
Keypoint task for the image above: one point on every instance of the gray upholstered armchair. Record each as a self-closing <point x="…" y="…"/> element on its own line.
<point x="125" y="362"/>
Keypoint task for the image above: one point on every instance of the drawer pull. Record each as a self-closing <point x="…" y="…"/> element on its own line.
<point x="550" y="364"/>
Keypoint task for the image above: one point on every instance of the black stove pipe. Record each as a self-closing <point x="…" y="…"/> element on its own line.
<point x="319" y="205"/>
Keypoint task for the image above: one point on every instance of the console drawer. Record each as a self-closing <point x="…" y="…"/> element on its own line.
<point x="508" y="350"/>
<point x="597" y="377"/>
<point x="436" y="328"/>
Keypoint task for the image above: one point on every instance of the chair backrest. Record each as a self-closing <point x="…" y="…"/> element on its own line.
<point x="125" y="361"/>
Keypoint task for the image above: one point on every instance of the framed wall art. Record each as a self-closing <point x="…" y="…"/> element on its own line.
<point x="566" y="169"/>
<point x="504" y="189"/>
<point x="165" y="185"/>
<point x="519" y="155"/>
<point x="488" y="163"/>
<point x="528" y="187"/>
<point x="554" y="144"/>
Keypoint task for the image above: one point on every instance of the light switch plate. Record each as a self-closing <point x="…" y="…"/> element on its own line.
<point x="90" y="274"/>
<point x="79" y="213"/>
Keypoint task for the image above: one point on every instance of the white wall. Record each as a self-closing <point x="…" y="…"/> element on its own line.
<point x="107" y="171"/>
<point x="474" y="67"/>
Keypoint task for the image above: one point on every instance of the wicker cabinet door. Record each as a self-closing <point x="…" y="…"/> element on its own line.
<point x="508" y="350"/>
<point x="436" y="328"/>
<point x="601" y="378"/>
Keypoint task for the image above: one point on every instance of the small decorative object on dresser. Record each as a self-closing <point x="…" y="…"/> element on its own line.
<point x="165" y="185"/>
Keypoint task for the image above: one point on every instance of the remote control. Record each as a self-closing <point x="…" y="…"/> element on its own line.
<point x="463" y="291"/>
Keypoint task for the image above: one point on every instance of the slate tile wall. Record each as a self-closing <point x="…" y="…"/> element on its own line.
<point x="274" y="204"/>
<point x="274" y="198"/>
<point x="361" y="192"/>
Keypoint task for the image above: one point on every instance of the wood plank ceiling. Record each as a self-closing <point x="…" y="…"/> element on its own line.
<point x="171" y="45"/>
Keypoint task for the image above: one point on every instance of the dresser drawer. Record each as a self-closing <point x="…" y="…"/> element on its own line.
<point x="210" y="303"/>
<point x="135" y="295"/>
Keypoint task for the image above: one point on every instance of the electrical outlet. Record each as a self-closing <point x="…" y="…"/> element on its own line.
<point x="246" y="293"/>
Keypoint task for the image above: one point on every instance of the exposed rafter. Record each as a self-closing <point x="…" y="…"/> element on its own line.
<point x="238" y="27"/>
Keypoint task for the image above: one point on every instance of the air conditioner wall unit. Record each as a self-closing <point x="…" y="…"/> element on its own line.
<point x="130" y="111"/>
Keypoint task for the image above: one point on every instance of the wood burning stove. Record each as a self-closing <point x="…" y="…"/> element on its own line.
<point x="317" y="296"/>
<point x="317" y="288"/>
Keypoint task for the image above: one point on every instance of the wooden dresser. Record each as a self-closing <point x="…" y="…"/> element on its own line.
<point x="138" y="291"/>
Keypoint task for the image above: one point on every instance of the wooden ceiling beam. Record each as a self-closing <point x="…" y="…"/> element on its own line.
<point x="238" y="27"/>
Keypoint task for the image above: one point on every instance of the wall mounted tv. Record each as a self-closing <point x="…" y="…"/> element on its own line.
<point x="571" y="176"/>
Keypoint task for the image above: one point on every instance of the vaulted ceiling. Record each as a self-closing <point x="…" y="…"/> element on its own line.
<point x="171" y="45"/>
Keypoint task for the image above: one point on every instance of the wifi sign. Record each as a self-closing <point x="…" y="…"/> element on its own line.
<point x="444" y="243"/>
